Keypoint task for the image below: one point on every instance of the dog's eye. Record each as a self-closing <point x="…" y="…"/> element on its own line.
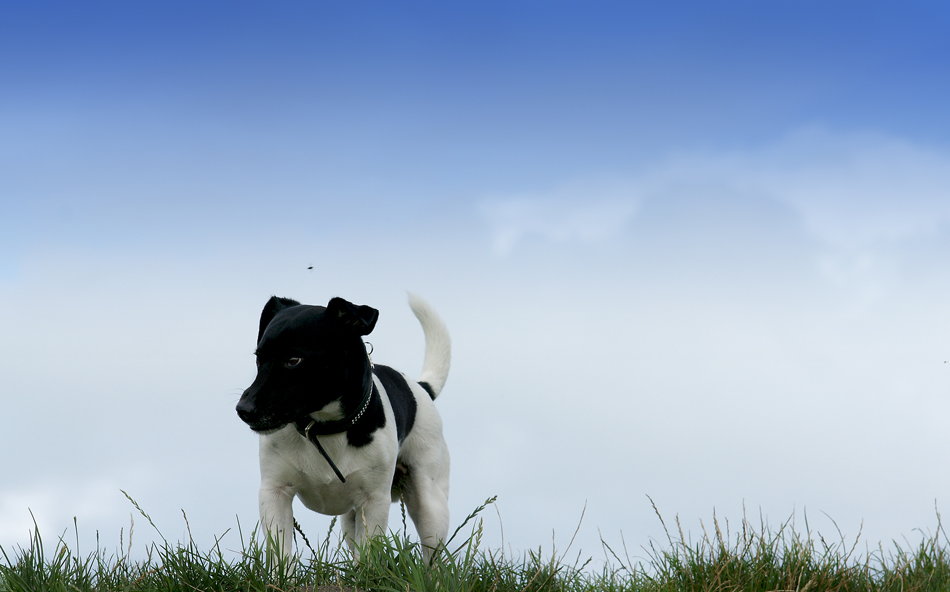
<point x="291" y="362"/>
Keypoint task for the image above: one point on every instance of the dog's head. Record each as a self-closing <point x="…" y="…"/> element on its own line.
<point x="307" y="357"/>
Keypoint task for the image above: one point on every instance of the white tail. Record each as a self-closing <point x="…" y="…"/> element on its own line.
<point x="435" y="366"/>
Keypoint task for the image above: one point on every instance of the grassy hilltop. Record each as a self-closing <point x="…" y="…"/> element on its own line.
<point x="752" y="559"/>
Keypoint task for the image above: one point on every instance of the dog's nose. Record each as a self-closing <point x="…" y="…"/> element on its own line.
<point x="245" y="410"/>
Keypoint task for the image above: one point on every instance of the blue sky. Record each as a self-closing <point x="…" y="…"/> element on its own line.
<point x="691" y="251"/>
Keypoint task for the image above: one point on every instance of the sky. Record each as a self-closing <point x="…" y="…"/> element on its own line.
<point x="691" y="253"/>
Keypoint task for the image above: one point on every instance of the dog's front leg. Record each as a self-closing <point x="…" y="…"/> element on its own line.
<point x="277" y="520"/>
<point x="369" y="520"/>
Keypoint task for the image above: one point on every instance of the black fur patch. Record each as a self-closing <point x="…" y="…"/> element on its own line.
<point x="373" y="418"/>
<point x="400" y="396"/>
<point x="273" y="306"/>
<point x="428" y="388"/>
<point x="400" y="479"/>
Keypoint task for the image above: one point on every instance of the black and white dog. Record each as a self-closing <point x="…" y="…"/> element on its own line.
<point x="345" y="436"/>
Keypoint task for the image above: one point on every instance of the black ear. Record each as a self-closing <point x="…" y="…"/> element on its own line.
<point x="273" y="306"/>
<point x="359" y="319"/>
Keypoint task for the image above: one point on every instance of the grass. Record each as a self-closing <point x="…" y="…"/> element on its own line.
<point x="755" y="558"/>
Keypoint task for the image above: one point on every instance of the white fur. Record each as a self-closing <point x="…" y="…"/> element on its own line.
<point x="435" y="365"/>
<point x="292" y="467"/>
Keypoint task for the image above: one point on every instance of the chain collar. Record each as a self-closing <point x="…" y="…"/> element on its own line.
<point x="310" y="428"/>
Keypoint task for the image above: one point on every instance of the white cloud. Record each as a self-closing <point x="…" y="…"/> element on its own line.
<point x="584" y="212"/>
<point x="861" y="197"/>
<point x="853" y="191"/>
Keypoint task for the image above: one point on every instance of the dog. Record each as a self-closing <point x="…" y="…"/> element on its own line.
<point x="347" y="437"/>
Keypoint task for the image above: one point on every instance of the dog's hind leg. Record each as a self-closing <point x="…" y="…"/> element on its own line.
<point x="369" y="520"/>
<point x="427" y="500"/>
<point x="349" y="532"/>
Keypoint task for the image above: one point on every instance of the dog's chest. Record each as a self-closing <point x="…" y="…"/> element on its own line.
<point x="294" y="463"/>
